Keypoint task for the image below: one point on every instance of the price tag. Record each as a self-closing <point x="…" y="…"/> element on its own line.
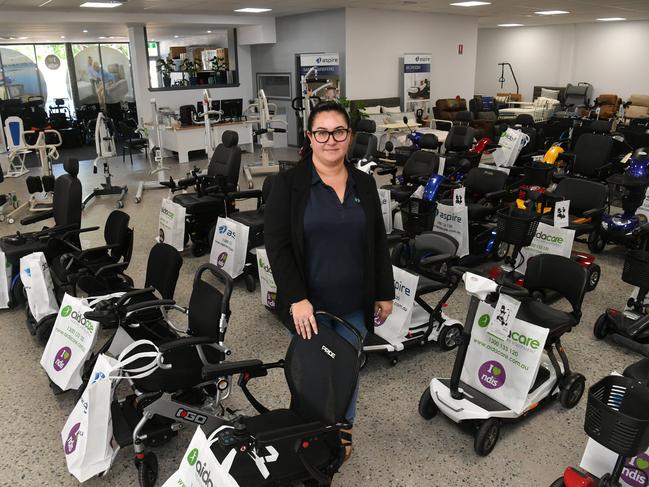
<point x="503" y="316"/>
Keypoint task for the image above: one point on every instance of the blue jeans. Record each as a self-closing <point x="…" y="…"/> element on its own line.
<point x="357" y="320"/>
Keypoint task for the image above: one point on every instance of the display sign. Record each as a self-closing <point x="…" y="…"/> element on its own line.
<point x="327" y="64"/>
<point x="416" y="81"/>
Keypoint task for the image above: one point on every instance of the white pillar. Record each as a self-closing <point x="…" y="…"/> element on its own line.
<point x="139" y="65"/>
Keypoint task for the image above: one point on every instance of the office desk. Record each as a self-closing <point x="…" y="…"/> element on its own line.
<point x="192" y="137"/>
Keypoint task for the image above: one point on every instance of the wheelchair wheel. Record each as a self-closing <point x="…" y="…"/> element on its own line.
<point x="596" y="242"/>
<point x="600" y="330"/>
<point x="147" y="470"/>
<point x="594" y="273"/>
<point x="486" y="437"/>
<point x="572" y="390"/>
<point x="448" y="336"/>
<point x="18" y="293"/>
<point x="427" y="407"/>
<point x="198" y="249"/>
<point x="251" y="285"/>
<point x="44" y="328"/>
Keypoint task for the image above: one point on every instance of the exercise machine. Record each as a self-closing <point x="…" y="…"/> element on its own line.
<point x="265" y="133"/>
<point x="105" y="146"/>
<point x="17" y="148"/>
<point x="156" y="165"/>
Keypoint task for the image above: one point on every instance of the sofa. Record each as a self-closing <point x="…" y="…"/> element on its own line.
<point x="448" y="108"/>
<point x="638" y="109"/>
<point x="608" y="106"/>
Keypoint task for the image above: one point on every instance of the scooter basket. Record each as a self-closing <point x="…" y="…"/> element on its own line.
<point x="617" y="415"/>
<point x="516" y="226"/>
<point x="418" y="216"/>
<point x="538" y="174"/>
<point x="636" y="268"/>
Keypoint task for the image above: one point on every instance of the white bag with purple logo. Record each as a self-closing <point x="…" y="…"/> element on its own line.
<point x="229" y="246"/>
<point x="70" y="343"/>
<point x="266" y="279"/>
<point x="35" y="276"/>
<point x="87" y="435"/>
<point x="599" y="460"/>
<point x="5" y="280"/>
<point x="171" y="224"/>
<point x="503" y="369"/>
<point x="454" y="221"/>
<point x="511" y="143"/>
<point x="397" y="325"/>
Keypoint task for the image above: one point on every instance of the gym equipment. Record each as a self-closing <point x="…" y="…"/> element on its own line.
<point x="176" y="395"/>
<point x="626" y="228"/>
<point x="265" y="134"/>
<point x="462" y="403"/>
<point x="630" y="327"/>
<point x="17" y="148"/>
<point x="66" y="211"/>
<point x="430" y="256"/>
<point x="105" y="146"/>
<point x="617" y="418"/>
<point x="157" y="165"/>
<point x="305" y="438"/>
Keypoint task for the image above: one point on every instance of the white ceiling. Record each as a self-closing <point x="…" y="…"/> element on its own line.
<point x="500" y="11"/>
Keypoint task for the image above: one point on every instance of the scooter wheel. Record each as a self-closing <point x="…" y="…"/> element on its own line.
<point x="147" y="470"/>
<point x="18" y="293"/>
<point x="594" y="273"/>
<point x="600" y="330"/>
<point x="427" y="407"/>
<point x="558" y="483"/>
<point x="486" y="437"/>
<point x="596" y="243"/>
<point x="198" y="249"/>
<point x="448" y="337"/>
<point x="251" y="285"/>
<point x="572" y="390"/>
<point x="44" y="328"/>
<point x="501" y="249"/>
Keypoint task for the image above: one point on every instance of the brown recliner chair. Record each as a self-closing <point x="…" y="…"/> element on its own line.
<point x="608" y="106"/>
<point x="448" y="108"/>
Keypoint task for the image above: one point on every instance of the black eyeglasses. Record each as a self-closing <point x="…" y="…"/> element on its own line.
<point x="322" y="136"/>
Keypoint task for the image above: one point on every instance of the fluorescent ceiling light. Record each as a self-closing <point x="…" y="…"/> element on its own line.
<point x="62" y="37"/>
<point x="101" y="4"/>
<point x="45" y="3"/>
<point x="176" y="37"/>
<point x="510" y="25"/>
<point x="23" y="38"/>
<point x="209" y="31"/>
<point x="85" y="31"/>
<point x="470" y="4"/>
<point x="552" y="12"/>
<point x="253" y="10"/>
<point x="102" y="37"/>
<point x="611" y="19"/>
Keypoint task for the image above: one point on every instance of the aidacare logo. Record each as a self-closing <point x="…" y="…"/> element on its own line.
<point x="448" y="217"/>
<point x="62" y="358"/>
<point x="328" y="352"/>
<point x="71" y="441"/>
<point x="492" y="374"/>
<point x="78" y="317"/>
<point x="264" y="266"/>
<point x="635" y="472"/>
<point x="202" y="472"/>
<point x="549" y="238"/>
<point x="526" y="341"/>
<point x="166" y="212"/>
<point x="484" y="320"/>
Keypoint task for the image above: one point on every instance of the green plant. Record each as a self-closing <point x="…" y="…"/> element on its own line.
<point x="355" y="112"/>
<point x="191" y="67"/>
<point x="219" y="65"/>
<point x="165" y="66"/>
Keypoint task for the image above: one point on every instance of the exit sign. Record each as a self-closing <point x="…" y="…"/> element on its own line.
<point x="153" y="45"/>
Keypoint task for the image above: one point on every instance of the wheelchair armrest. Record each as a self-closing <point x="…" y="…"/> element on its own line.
<point x="135" y="292"/>
<point x="191" y="342"/>
<point x="496" y="194"/>
<point x="382" y="170"/>
<point x="434" y="259"/>
<point x="69" y="233"/>
<point x="40" y="216"/>
<point x="85" y="252"/>
<point x="113" y="268"/>
<point x="155" y="303"/>
<point x="299" y="432"/>
<point x="593" y="212"/>
<point x="240" y="195"/>
<point x="214" y="371"/>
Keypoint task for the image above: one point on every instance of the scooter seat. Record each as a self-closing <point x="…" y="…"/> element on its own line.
<point x="399" y="193"/>
<point x="537" y="313"/>
<point x="639" y="371"/>
<point x="197" y="204"/>
<point x="475" y="211"/>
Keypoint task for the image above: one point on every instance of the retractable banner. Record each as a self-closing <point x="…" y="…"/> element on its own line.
<point x="503" y="368"/>
<point x="326" y="63"/>
<point x="416" y="81"/>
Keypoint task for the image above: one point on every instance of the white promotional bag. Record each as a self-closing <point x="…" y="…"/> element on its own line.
<point x="36" y="278"/>
<point x="548" y="240"/>
<point x="511" y="143"/>
<point x="644" y="209"/>
<point x="398" y="323"/>
<point x="87" y="435"/>
<point x="599" y="460"/>
<point x="171" y="225"/>
<point x="454" y="221"/>
<point x="5" y="280"/>
<point x="70" y="343"/>
<point x="386" y="209"/>
<point x="229" y="246"/>
<point x="503" y="369"/>
<point x="266" y="279"/>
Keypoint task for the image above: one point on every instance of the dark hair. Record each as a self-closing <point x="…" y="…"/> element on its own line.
<point x="326" y="106"/>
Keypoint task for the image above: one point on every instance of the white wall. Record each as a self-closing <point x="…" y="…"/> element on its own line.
<point x="611" y="56"/>
<point x="376" y="39"/>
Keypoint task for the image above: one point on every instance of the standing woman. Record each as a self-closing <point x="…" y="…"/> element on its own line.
<point x="326" y="240"/>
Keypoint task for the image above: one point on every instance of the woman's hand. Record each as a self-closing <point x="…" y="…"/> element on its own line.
<point x="382" y="309"/>
<point x="305" y="324"/>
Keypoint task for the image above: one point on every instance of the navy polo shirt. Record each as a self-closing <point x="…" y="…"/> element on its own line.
<point x="334" y="243"/>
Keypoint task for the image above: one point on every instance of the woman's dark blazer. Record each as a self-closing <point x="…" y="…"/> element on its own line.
<point x="284" y="237"/>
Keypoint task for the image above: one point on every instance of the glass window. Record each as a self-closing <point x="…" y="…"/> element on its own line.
<point x="52" y="63"/>
<point x="20" y="75"/>
<point x="87" y="66"/>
